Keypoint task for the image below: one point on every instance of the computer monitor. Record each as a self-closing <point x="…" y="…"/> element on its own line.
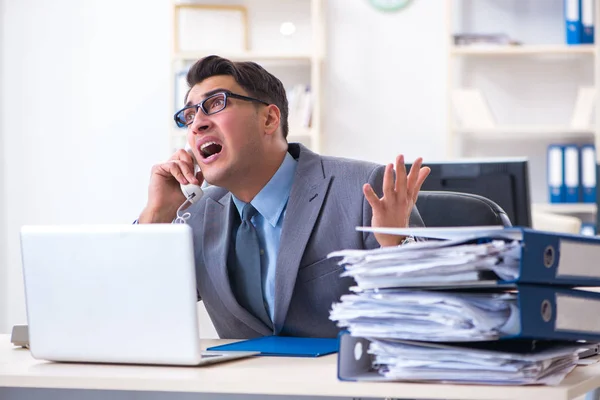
<point x="504" y="181"/>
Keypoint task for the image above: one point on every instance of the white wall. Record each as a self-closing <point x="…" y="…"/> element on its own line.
<point x="385" y="81"/>
<point x="3" y="269"/>
<point x="84" y="94"/>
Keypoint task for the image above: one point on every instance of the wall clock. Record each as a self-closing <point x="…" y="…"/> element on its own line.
<point x="389" y="5"/>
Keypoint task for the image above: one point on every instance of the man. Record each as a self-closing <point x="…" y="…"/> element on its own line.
<point x="263" y="231"/>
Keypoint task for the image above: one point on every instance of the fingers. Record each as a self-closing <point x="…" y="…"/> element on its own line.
<point x="400" y="174"/>
<point x="182" y="171"/>
<point x="180" y="167"/>
<point x="185" y="161"/>
<point x="413" y="176"/>
<point x="423" y="174"/>
<point x="183" y="155"/>
<point x="388" y="180"/>
<point x="371" y="196"/>
<point x="407" y="183"/>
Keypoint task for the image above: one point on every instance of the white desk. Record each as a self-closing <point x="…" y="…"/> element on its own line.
<point x="280" y="376"/>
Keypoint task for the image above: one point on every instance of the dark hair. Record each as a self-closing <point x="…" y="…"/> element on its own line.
<point x="252" y="77"/>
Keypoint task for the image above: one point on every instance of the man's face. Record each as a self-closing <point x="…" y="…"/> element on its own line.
<point x="227" y="144"/>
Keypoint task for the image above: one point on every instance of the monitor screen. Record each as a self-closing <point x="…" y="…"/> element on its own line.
<point x="506" y="182"/>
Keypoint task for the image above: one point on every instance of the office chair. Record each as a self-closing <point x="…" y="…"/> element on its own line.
<point x="447" y="209"/>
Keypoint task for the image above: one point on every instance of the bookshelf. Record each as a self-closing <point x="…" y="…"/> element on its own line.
<point x="530" y="88"/>
<point x="528" y="50"/>
<point x="527" y="132"/>
<point x="566" y="208"/>
<point x="297" y="58"/>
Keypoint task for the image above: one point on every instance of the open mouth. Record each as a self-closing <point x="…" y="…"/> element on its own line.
<point x="209" y="149"/>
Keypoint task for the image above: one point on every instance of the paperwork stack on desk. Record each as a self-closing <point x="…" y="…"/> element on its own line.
<point x="476" y="256"/>
<point x="497" y="363"/>
<point x="531" y="312"/>
<point x="478" y="285"/>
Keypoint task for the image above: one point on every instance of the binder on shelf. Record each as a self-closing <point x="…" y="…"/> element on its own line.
<point x="588" y="173"/>
<point x="573" y="21"/>
<point x="587" y="21"/>
<point x="556" y="187"/>
<point x="571" y="173"/>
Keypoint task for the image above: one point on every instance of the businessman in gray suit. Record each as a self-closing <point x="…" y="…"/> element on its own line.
<point x="275" y="210"/>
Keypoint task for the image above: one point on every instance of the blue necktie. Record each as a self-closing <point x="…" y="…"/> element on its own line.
<point x="248" y="278"/>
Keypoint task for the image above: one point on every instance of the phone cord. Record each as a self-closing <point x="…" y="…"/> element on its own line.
<point x="182" y="218"/>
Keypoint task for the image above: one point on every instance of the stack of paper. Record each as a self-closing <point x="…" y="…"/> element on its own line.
<point x="505" y="363"/>
<point x="456" y="309"/>
<point x="431" y="316"/>
<point x="424" y="263"/>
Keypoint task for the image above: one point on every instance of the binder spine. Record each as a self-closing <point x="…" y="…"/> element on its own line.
<point x="573" y="21"/>
<point x="588" y="173"/>
<point x="556" y="314"/>
<point x="536" y="306"/>
<point x="587" y="21"/>
<point x="556" y="174"/>
<point x="571" y="174"/>
<point x="559" y="260"/>
<point x="540" y="257"/>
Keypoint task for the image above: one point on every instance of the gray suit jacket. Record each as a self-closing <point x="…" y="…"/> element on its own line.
<point x="326" y="204"/>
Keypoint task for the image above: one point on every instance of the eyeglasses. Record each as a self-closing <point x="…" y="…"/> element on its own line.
<point x="211" y="105"/>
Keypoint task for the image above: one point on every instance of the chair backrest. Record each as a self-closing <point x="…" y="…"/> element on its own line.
<point x="441" y="208"/>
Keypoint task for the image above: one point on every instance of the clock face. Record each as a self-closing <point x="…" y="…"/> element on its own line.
<point x="389" y="5"/>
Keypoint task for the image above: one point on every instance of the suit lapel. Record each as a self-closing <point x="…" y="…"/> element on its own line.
<point x="218" y="223"/>
<point x="304" y="205"/>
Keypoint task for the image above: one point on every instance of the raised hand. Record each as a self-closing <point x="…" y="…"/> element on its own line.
<point x="399" y="197"/>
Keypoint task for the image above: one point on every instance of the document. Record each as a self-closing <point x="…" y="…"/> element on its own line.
<point x="426" y="263"/>
<point x="495" y="363"/>
<point x="429" y="316"/>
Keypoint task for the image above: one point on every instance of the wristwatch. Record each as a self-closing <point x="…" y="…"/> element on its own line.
<point x="409" y="239"/>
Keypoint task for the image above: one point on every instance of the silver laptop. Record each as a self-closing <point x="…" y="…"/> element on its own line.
<point x="113" y="294"/>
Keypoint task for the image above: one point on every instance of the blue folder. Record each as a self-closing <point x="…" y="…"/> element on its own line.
<point x="573" y="23"/>
<point x="556" y="173"/>
<point x="284" y="346"/>
<point x="556" y="313"/>
<point x="587" y="161"/>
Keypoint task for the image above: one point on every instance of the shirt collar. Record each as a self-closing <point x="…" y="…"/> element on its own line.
<point x="271" y="200"/>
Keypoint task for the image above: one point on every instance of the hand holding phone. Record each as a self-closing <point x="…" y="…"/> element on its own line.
<point x="192" y="192"/>
<point x="166" y="192"/>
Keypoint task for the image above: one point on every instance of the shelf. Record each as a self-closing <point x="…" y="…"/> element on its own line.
<point x="304" y="58"/>
<point x="566" y="208"/>
<point x="526" y="132"/>
<point x="521" y="50"/>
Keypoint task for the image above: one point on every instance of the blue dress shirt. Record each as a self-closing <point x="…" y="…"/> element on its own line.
<point x="271" y="203"/>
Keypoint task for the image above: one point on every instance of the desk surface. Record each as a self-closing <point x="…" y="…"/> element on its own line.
<point x="259" y="375"/>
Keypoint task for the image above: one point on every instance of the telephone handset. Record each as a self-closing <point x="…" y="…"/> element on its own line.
<point x="192" y="192"/>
